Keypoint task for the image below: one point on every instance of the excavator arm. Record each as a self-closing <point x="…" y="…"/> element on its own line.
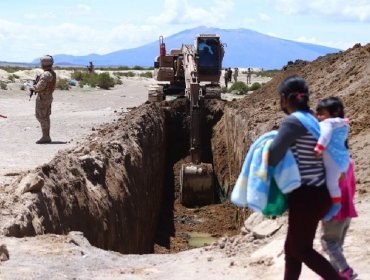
<point x="185" y="69"/>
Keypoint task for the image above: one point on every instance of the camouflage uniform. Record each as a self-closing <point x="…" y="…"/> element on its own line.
<point x="45" y="88"/>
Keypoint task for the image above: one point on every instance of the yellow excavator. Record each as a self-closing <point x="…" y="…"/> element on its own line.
<point x="193" y="71"/>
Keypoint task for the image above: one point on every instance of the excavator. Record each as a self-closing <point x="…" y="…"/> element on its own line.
<point x="192" y="72"/>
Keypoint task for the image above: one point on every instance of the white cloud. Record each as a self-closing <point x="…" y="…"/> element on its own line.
<point x="80" y="10"/>
<point x="355" y="10"/>
<point x="264" y="17"/>
<point x="334" y="44"/>
<point x="20" y="42"/>
<point x="45" y="15"/>
<point x="184" y="12"/>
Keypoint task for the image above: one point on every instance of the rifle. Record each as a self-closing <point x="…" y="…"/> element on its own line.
<point x="2" y="116"/>
<point x="34" y="82"/>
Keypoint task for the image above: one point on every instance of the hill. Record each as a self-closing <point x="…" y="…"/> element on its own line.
<point x="244" y="48"/>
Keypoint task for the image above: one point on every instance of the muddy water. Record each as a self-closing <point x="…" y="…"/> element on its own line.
<point x="200" y="239"/>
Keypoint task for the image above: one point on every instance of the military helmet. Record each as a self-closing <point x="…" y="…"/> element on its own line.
<point x="47" y="60"/>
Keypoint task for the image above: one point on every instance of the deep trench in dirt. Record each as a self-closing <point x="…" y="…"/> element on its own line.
<point x="120" y="186"/>
<point x="176" y="222"/>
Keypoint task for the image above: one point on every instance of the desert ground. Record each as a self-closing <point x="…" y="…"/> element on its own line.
<point x="252" y="251"/>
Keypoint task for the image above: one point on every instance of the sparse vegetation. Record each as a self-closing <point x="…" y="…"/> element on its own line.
<point x="239" y="88"/>
<point x="124" y="74"/>
<point x="264" y="73"/>
<point x="13" y="77"/>
<point x="62" y="84"/>
<point x="125" y="68"/>
<point x="255" y="86"/>
<point x="105" y="81"/>
<point x="102" y="80"/>
<point x="3" y="85"/>
<point x="12" y="69"/>
<point x="267" y="73"/>
<point x="118" y="81"/>
<point x="147" y="74"/>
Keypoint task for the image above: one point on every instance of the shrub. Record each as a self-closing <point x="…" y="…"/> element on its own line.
<point x="255" y="86"/>
<point x="239" y="87"/>
<point x="105" y="81"/>
<point x="118" y="81"/>
<point x="3" y="85"/>
<point x="12" y="69"/>
<point x="62" y="84"/>
<point x="124" y="74"/>
<point x="77" y="75"/>
<point x="11" y="78"/>
<point x="147" y="74"/>
<point x="137" y="67"/>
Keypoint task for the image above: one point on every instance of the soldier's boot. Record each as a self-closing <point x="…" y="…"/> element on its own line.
<point x="45" y="139"/>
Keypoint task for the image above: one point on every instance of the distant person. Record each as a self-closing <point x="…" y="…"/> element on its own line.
<point x="230" y="74"/>
<point x="44" y="89"/>
<point x="249" y="75"/>
<point x="90" y="68"/>
<point x="236" y="73"/>
<point x="226" y="76"/>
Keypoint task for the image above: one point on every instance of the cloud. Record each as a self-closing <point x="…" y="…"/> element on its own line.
<point x="44" y="15"/>
<point x="21" y="42"/>
<point x="355" y="10"/>
<point x="264" y="17"/>
<point x="187" y="13"/>
<point x="80" y="10"/>
<point x="334" y="44"/>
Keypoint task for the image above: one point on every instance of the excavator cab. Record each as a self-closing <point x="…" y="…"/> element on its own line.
<point x="209" y="50"/>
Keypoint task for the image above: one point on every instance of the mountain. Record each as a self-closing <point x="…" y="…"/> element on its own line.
<point x="244" y="48"/>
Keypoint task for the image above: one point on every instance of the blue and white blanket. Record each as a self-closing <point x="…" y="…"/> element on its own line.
<point x="252" y="186"/>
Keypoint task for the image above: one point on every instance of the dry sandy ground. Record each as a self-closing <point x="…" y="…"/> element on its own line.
<point x="75" y="113"/>
<point x="242" y="257"/>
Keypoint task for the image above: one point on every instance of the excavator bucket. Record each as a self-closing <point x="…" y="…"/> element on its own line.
<point x="196" y="184"/>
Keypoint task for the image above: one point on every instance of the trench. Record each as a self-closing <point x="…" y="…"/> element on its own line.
<point x="119" y="186"/>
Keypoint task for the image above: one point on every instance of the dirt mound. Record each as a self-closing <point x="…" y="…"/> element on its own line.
<point x="109" y="187"/>
<point x="345" y="74"/>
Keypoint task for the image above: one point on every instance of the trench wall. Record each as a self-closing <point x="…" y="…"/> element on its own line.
<point x="110" y="187"/>
<point x="232" y="136"/>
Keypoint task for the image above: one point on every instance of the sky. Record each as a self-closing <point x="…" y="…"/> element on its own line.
<point x="30" y="29"/>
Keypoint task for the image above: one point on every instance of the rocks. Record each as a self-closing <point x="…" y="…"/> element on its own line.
<point x="4" y="254"/>
<point x="266" y="228"/>
<point x="31" y="183"/>
<point x="260" y="226"/>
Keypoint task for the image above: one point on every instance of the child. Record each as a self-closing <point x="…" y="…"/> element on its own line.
<point x="334" y="231"/>
<point x="332" y="146"/>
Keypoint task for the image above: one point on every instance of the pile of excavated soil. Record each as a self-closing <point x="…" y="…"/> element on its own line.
<point x="345" y="74"/>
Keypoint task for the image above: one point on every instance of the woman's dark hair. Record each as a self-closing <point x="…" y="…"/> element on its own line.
<point x="333" y="105"/>
<point x="295" y="90"/>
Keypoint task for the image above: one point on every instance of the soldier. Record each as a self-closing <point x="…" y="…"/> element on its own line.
<point x="90" y="68"/>
<point x="249" y="75"/>
<point x="226" y="76"/>
<point x="230" y="74"/>
<point x="45" y="88"/>
<point x="236" y="73"/>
